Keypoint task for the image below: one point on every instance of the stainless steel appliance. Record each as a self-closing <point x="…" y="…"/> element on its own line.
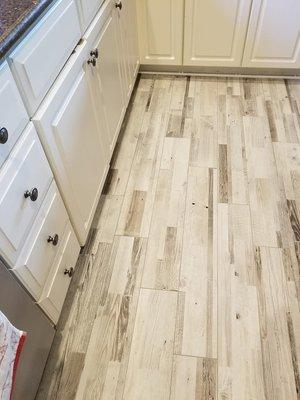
<point x="21" y="310"/>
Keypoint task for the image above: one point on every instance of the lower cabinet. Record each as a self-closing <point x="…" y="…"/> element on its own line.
<point x="57" y="284"/>
<point x="49" y="255"/>
<point x="25" y="178"/>
<point x="73" y="137"/>
<point x="107" y="70"/>
<point x="273" y="39"/>
<point x="128" y="44"/>
<point x="215" y="32"/>
<point x="160" y="28"/>
<point x="219" y="33"/>
<point x="43" y="243"/>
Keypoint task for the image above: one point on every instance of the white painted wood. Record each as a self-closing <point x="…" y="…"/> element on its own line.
<point x="128" y="45"/>
<point x="26" y="168"/>
<point x="68" y="126"/>
<point x="13" y="115"/>
<point x="55" y="290"/>
<point x="35" y="261"/>
<point x="160" y="30"/>
<point x="215" y="32"/>
<point x="87" y="10"/>
<point x="273" y="39"/>
<point x="40" y="56"/>
<point x="108" y="73"/>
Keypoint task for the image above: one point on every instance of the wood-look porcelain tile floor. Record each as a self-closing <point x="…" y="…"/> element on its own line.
<point x="189" y="286"/>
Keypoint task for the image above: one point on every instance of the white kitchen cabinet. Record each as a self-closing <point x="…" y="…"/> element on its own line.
<point x="128" y="44"/>
<point x="87" y="11"/>
<point x="215" y="32"/>
<point x="160" y="28"/>
<point x="58" y="282"/>
<point x="69" y="128"/>
<point x="42" y="243"/>
<point x="273" y="39"/>
<point x="13" y="116"/>
<point x="103" y="37"/>
<point x="25" y="178"/>
<point x="37" y="60"/>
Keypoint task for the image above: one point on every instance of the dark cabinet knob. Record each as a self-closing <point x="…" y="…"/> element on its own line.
<point x="119" y="5"/>
<point x="3" y="135"/>
<point x="92" y="61"/>
<point x="94" y="53"/>
<point x="69" y="272"/>
<point x="53" y="239"/>
<point x="33" y="194"/>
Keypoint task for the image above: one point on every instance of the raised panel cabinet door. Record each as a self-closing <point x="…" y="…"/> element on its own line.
<point x="68" y="127"/>
<point x="160" y="31"/>
<point x="36" y="258"/>
<point x="25" y="179"/>
<point x="273" y="39"/>
<point x="109" y="76"/>
<point x="87" y="10"/>
<point x="13" y="116"/>
<point x="124" y="23"/>
<point x="132" y="34"/>
<point x="215" y="32"/>
<point x="127" y="23"/>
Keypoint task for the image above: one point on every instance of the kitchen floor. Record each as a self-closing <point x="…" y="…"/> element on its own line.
<point x="189" y="286"/>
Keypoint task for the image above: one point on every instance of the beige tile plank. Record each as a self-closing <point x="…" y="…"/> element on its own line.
<point x="194" y="378"/>
<point x="163" y="259"/>
<point x="198" y="269"/>
<point x="150" y="363"/>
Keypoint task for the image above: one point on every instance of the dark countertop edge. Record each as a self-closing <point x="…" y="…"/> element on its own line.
<point x="23" y="26"/>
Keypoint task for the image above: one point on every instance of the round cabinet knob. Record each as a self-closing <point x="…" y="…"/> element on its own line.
<point x="119" y="5"/>
<point x="3" y="135"/>
<point x="53" y="239"/>
<point x="94" y="53"/>
<point x="92" y="61"/>
<point x="33" y="194"/>
<point x="69" y="272"/>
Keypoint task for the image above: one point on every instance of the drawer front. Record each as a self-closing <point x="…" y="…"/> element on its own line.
<point x="26" y="169"/>
<point x="13" y="116"/>
<point x="38" y="59"/>
<point x="56" y="288"/>
<point x="43" y="243"/>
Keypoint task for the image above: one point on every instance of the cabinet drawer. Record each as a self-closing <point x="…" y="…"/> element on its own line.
<point x="13" y="116"/>
<point x="57" y="285"/>
<point x="26" y="169"/>
<point x="43" y="243"/>
<point x="38" y="59"/>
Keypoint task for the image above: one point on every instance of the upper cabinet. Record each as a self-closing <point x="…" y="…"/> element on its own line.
<point x="160" y="25"/>
<point x="273" y="39"/>
<point x="215" y="32"/>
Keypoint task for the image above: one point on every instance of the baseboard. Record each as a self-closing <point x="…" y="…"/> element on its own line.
<point x="236" y="72"/>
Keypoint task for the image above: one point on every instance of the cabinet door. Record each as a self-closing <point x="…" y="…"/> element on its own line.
<point x="109" y="78"/>
<point x="215" y="32"/>
<point x="160" y="29"/>
<point x="273" y="39"/>
<point x="87" y="10"/>
<point x="13" y="117"/>
<point x="68" y="127"/>
<point x="127" y="31"/>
